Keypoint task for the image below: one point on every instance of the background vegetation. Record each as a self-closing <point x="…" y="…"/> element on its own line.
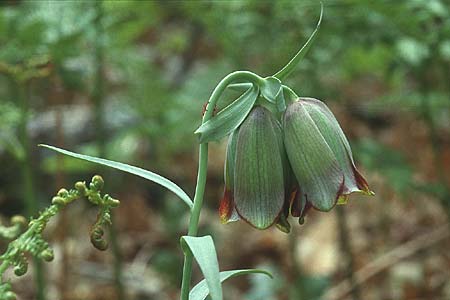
<point x="127" y="80"/>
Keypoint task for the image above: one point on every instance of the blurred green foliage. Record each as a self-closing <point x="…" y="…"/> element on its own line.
<point x="377" y="61"/>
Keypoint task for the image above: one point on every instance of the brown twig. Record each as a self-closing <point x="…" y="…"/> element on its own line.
<point x="387" y="260"/>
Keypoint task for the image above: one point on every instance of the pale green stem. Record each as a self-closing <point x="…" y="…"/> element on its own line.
<point x="202" y="170"/>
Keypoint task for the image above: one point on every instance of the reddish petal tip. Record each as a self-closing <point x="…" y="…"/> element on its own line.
<point x="226" y="206"/>
<point x="362" y="184"/>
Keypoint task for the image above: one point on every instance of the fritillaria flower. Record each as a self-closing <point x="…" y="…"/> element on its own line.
<point x="254" y="179"/>
<point x="320" y="156"/>
<point x="274" y="170"/>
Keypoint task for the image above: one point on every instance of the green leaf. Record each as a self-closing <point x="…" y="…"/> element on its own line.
<point x="290" y="66"/>
<point x="202" y="248"/>
<point x="228" y="119"/>
<point x="271" y="88"/>
<point x="201" y="291"/>
<point x="132" y="170"/>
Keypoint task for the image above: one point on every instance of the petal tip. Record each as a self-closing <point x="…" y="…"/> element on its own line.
<point x="342" y="200"/>
<point x="226" y="207"/>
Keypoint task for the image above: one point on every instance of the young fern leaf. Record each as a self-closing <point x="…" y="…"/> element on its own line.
<point x="290" y="66"/>
<point x="31" y="240"/>
<point x="18" y="225"/>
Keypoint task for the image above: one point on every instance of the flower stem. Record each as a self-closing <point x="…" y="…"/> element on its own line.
<point x="238" y="76"/>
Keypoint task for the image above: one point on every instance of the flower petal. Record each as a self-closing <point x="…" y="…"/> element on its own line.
<point x="227" y="211"/>
<point x="258" y="176"/>
<point x="334" y="136"/>
<point x="314" y="164"/>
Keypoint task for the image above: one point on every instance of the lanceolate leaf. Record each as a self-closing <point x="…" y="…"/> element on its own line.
<point x="201" y="291"/>
<point x="203" y="250"/>
<point x="287" y="69"/>
<point x="132" y="170"/>
<point x="228" y="119"/>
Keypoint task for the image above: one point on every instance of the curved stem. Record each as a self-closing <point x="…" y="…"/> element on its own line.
<point x="202" y="170"/>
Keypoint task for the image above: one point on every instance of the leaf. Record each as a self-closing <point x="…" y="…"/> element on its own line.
<point x="289" y="67"/>
<point x="228" y="119"/>
<point x="202" y="248"/>
<point x="130" y="169"/>
<point x="271" y="88"/>
<point x="200" y="291"/>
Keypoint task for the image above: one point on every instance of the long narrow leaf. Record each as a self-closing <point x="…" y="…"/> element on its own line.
<point x="228" y="119"/>
<point x="287" y="69"/>
<point x="132" y="170"/>
<point x="203" y="250"/>
<point x="201" y="291"/>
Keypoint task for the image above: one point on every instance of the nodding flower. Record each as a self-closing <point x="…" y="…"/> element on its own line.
<point x="275" y="169"/>
<point x="320" y="156"/>
<point x="254" y="179"/>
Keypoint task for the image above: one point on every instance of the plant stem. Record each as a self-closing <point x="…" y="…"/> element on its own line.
<point x="27" y="177"/>
<point x="202" y="171"/>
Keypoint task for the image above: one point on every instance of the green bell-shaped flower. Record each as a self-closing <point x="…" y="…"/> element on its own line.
<point x="320" y="157"/>
<point x="254" y="171"/>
